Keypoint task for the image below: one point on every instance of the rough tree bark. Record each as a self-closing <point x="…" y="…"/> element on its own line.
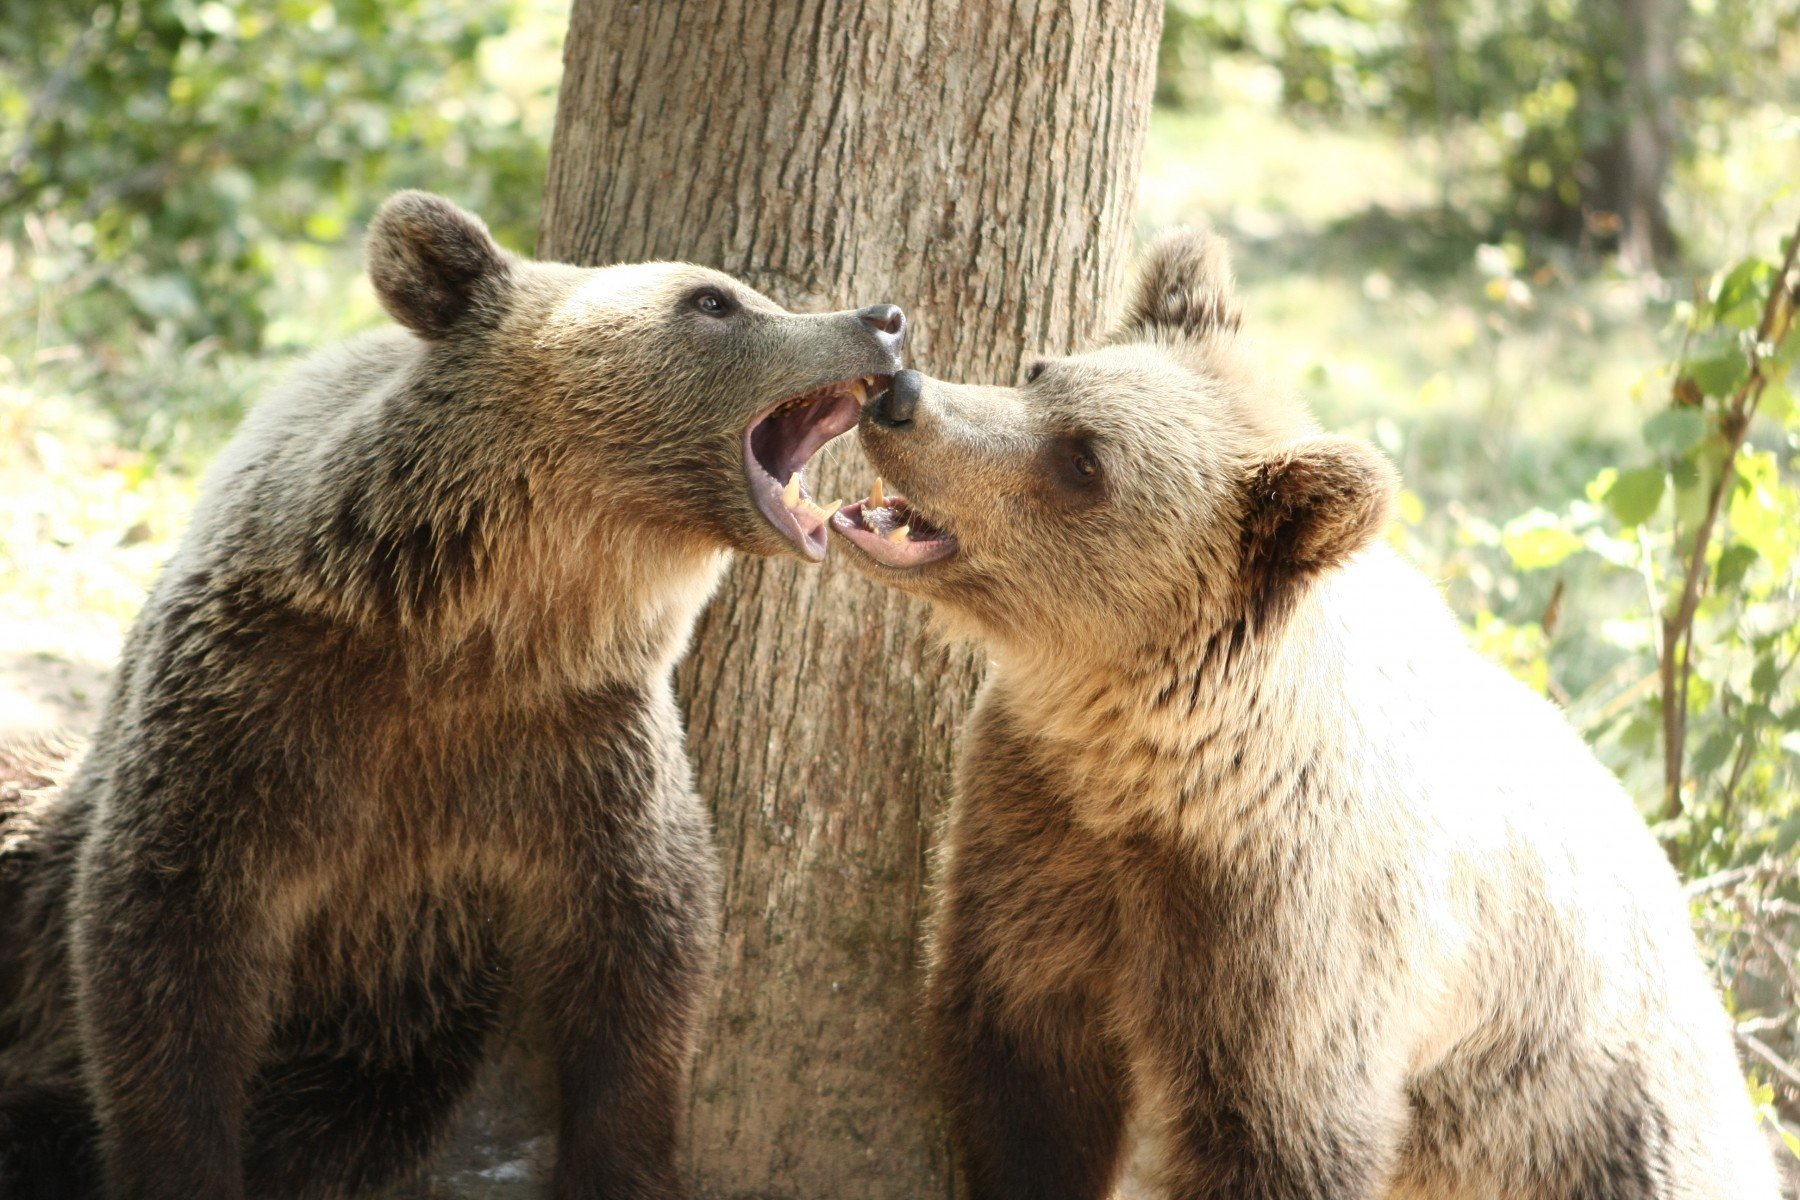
<point x="975" y="163"/>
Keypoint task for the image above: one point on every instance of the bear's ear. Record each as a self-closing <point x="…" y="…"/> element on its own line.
<point x="434" y="265"/>
<point x="1314" y="504"/>
<point x="1185" y="289"/>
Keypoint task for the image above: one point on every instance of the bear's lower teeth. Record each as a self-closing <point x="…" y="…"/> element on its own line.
<point x="897" y="523"/>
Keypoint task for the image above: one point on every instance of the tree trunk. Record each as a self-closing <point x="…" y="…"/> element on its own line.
<point x="977" y="165"/>
<point x="1628" y="171"/>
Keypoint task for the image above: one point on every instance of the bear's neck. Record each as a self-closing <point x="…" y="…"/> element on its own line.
<point x="512" y="585"/>
<point x="1222" y="727"/>
<point x="597" y="604"/>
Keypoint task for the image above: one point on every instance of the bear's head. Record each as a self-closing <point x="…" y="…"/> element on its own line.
<point x="662" y="394"/>
<point x="1151" y="482"/>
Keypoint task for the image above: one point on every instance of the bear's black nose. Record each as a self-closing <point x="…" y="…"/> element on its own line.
<point x="887" y="321"/>
<point x="896" y="407"/>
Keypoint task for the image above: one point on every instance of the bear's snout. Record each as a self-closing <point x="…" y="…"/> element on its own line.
<point x="889" y="323"/>
<point x="897" y="405"/>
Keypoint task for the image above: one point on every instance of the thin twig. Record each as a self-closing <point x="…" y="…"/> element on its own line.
<point x="1720" y="880"/>
<point x="1676" y="659"/>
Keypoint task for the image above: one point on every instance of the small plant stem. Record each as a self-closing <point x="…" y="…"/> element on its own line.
<point x="1675" y="667"/>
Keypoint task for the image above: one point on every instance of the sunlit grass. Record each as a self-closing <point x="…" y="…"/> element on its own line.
<point x="1376" y="301"/>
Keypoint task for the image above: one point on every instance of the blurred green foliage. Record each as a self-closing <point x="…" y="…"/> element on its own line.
<point x="1547" y="101"/>
<point x="1705" y="513"/>
<point x="1701" y="517"/>
<point x="1660" y="604"/>
<point x="156" y="154"/>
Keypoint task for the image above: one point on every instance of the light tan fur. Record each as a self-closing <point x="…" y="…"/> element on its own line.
<point x="1249" y="842"/>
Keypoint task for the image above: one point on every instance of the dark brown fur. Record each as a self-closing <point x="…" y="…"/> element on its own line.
<point x="393" y="747"/>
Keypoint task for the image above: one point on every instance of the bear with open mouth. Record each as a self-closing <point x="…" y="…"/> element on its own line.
<point x="1249" y="849"/>
<point x="393" y="741"/>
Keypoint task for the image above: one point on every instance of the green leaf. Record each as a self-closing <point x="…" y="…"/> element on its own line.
<point x="1641" y="734"/>
<point x="1713" y="752"/>
<point x="1739" y="299"/>
<point x="1745" y="315"/>
<point x="1777" y="402"/>
<point x="1634" y="495"/>
<point x="1762" y="511"/>
<point x="1535" y="541"/>
<point x="1719" y="373"/>
<point x="1674" y="431"/>
<point x="1741" y="283"/>
<point x="1695" y="475"/>
<point x="1734" y="562"/>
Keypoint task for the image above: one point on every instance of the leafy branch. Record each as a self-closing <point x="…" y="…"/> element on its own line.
<point x="1675" y="648"/>
<point x="1713" y="570"/>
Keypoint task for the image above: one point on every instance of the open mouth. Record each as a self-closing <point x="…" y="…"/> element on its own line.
<point x="890" y="531"/>
<point x="780" y="443"/>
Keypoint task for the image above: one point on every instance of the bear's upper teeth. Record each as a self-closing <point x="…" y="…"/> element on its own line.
<point x="798" y="501"/>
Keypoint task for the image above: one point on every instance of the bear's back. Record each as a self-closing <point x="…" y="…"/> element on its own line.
<point x="291" y="444"/>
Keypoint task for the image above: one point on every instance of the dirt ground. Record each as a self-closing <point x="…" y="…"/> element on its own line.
<point x="41" y="689"/>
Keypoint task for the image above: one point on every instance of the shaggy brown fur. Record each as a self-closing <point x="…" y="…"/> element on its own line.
<point x="1249" y="849"/>
<point x="393" y="744"/>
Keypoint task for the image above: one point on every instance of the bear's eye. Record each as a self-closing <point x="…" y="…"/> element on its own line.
<point x="1074" y="467"/>
<point x="1034" y="370"/>
<point x="713" y="303"/>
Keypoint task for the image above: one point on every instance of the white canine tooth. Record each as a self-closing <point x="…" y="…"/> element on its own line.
<point x="860" y="390"/>
<point x="876" y="497"/>
<point x="790" y="495"/>
<point x="898" y="536"/>
<point x="830" y="510"/>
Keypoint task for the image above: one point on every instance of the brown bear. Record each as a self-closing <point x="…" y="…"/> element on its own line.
<point x="393" y="742"/>
<point x="1249" y="850"/>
